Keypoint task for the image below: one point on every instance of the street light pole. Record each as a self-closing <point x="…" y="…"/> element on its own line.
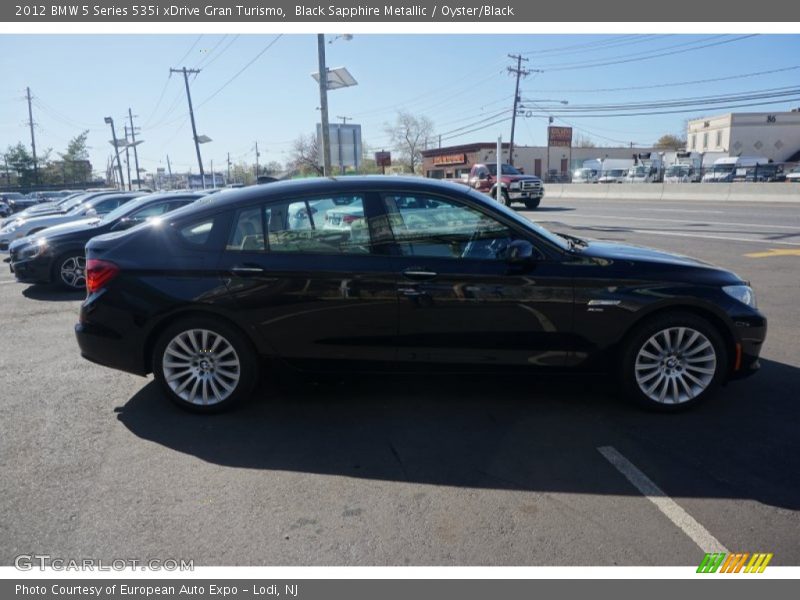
<point x="323" y="105"/>
<point x="110" y="121"/>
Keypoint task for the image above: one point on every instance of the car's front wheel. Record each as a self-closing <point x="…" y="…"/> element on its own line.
<point x="69" y="270"/>
<point x="532" y="204"/>
<point x="673" y="362"/>
<point x="204" y="365"/>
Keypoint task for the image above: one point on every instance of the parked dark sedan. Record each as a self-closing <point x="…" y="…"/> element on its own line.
<point x="427" y="274"/>
<point x="56" y="254"/>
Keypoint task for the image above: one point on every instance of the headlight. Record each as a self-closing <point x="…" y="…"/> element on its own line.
<point x="515" y="185"/>
<point x="743" y="293"/>
<point x="33" y="250"/>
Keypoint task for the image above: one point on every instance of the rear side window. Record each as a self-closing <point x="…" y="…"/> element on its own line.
<point x="316" y="225"/>
<point x="197" y="233"/>
<point x="247" y="234"/>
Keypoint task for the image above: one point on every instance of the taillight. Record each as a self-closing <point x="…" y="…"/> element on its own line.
<point x="350" y="219"/>
<point x="98" y="273"/>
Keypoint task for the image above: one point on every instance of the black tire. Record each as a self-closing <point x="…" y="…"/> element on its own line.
<point x="533" y="203"/>
<point x="683" y="372"/>
<point x="213" y="356"/>
<point x="75" y="260"/>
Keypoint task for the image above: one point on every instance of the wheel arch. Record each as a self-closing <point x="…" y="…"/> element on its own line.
<point x="699" y="310"/>
<point x="188" y="313"/>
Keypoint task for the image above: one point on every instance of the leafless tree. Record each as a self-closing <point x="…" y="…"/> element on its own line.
<point x="306" y="154"/>
<point x="410" y="135"/>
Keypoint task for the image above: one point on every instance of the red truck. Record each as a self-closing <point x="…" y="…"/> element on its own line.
<point x="515" y="186"/>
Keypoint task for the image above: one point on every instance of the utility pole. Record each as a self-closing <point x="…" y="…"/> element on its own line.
<point x="323" y="105"/>
<point x="344" y="119"/>
<point x="257" y="155"/>
<point x="33" y="138"/>
<point x="135" y="152"/>
<point x="128" y="157"/>
<point x="519" y="72"/>
<point x="229" y="167"/>
<point x="169" y="170"/>
<point x="186" y="72"/>
<point x="110" y="121"/>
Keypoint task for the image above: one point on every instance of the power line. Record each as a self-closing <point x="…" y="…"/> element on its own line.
<point x="598" y="45"/>
<point x="242" y="70"/>
<point x="771" y="93"/>
<point x="686" y="110"/>
<point x="574" y="66"/>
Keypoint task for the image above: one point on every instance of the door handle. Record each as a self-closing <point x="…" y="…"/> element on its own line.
<point x="245" y="270"/>
<point x="418" y="274"/>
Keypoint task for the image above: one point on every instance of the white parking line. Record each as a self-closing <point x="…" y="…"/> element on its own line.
<point x="683" y="520"/>
<point x="725" y="223"/>
<point x="4" y="282"/>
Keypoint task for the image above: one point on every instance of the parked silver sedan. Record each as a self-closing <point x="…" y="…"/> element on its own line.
<point x="98" y="206"/>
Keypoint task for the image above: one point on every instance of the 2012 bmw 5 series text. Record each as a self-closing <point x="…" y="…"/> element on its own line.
<point x="389" y="273"/>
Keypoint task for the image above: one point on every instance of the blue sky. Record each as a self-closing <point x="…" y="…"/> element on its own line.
<point x="458" y="81"/>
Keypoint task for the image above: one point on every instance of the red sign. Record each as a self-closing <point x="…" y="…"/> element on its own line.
<point x="449" y="159"/>
<point x="383" y="159"/>
<point x="559" y="136"/>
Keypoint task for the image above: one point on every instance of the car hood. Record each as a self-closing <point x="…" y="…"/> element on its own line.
<point x="661" y="262"/>
<point x="513" y="178"/>
<point x="67" y="228"/>
<point x="44" y="207"/>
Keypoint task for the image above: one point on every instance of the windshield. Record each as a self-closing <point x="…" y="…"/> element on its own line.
<point x="677" y="170"/>
<point x="512" y="214"/>
<point x="71" y="203"/>
<point x="507" y="169"/>
<point x="125" y="209"/>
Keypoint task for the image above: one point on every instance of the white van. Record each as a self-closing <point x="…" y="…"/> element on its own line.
<point x="728" y="168"/>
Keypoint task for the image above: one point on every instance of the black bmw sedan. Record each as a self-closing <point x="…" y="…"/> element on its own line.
<point x="56" y="254"/>
<point x="388" y="273"/>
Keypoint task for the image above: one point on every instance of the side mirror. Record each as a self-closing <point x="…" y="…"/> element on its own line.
<point x="519" y="252"/>
<point x="91" y="212"/>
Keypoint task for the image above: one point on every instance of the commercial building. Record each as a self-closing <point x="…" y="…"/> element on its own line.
<point x="774" y="135"/>
<point x="453" y="161"/>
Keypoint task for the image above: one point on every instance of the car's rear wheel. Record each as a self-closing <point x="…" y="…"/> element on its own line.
<point x="204" y="365"/>
<point x="69" y="271"/>
<point x="673" y="362"/>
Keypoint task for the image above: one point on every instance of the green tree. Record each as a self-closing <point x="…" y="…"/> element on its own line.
<point x="21" y="162"/>
<point x="76" y="167"/>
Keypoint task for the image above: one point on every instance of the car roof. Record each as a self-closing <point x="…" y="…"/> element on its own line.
<point x="325" y="185"/>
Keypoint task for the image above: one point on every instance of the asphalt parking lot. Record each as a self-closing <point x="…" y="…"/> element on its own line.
<point x="414" y="471"/>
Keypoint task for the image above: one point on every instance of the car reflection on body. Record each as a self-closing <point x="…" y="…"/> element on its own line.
<point x="402" y="274"/>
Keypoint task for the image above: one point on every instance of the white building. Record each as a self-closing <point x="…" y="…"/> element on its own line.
<point x="774" y="135"/>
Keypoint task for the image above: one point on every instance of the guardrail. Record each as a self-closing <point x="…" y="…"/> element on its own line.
<point x="769" y="192"/>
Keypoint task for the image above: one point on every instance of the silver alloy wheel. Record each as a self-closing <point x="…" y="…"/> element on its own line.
<point x="201" y="367"/>
<point x="675" y="365"/>
<point x="73" y="271"/>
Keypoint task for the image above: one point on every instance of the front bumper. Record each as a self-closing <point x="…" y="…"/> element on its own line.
<point x="749" y="333"/>
<point x="525" y="194"/>
<point x="34" y="270"/>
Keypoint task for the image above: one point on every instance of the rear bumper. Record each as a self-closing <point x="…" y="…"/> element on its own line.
<point x="107" y="348"/>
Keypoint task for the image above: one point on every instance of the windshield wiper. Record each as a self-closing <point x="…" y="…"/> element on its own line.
<point x="573" y="241"/>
